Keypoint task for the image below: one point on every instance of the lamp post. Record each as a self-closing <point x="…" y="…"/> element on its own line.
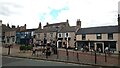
<point x="105" y="57"/>
<point x="56" y="42"/>
<point x="67" y="47"/>
<point x="9" y="46"/>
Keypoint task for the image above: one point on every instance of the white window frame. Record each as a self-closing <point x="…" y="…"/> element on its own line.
<point x="58" y="35"/>
<point x="38" y="35"/>
<point x="68" y="34"/>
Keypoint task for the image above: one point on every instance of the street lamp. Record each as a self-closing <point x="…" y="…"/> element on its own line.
<point x="56" y="42"/>
<point x="67" y="47"/>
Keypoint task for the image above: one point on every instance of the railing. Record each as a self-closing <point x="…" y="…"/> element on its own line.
<point x="86" y="57"/>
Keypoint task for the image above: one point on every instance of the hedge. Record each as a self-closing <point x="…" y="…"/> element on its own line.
<point x="25" y="47"/>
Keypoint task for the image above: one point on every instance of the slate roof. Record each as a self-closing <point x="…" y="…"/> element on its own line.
<point x="28" y="30"/>
<point x="39" y="31"/>
<point x="68" y="29"/>
<point x="46" y="30"/>
<point x="102" y="29"/>
<point x="5" y="28"/>
<point x="55" y="24"/>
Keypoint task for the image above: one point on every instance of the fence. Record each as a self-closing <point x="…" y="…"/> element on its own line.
<point x="71" y="56"/>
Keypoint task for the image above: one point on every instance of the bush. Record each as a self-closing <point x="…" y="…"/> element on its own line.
<point x="28" y="47"/>
<point x="25" y="47"/>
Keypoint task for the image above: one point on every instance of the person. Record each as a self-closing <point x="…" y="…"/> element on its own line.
<point x="54" y="49"/>
<point x="82" y="49"/>
<point x="33" y="51"/>
<point x="86" y="48"/>
<point x="48" y="51"/>
<point x="106" y="49"/>
<point x="99" y="49"/>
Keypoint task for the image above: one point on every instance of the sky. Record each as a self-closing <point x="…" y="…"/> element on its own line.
<point x="91" y="12"/>
<point x="119" y="7"/>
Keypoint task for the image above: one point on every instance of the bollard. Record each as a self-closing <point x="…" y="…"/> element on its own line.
<point x="95" y="58"/>
<point x="67" y="54"/>
<point x="57" y="54"/>
<point x="46" y="55"/>
<point x="77" y="56"/>
<point x="119" y="59"/>
<point x="105" y="57"/>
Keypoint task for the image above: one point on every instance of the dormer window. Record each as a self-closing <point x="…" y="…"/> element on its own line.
<point x="66" y="34"/>
<point x="59" y="34"/>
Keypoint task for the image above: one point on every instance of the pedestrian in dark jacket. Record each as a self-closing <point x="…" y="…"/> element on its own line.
<point x="48" y="50"/>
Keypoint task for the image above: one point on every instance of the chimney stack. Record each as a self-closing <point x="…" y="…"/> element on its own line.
<point x="67" y="20"/>
<point x="119" y="22"/>
<point x="0" y="23"/>
<point x="25" y="26"/>
<point x="8" y="25"/>
<point x="47" y="23"/>
<point x="118" y="19"/>
<point x="17" y="26"/>
<point x="40" y="25"/>
<point x="13" y="26"/>
<point x="78" y="23"/>
<point x="67" y="23"/>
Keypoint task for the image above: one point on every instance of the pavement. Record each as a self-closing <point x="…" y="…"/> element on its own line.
<point x="83" y="58"/>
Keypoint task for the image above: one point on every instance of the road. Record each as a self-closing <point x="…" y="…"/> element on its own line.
<point x="12" y="61"/>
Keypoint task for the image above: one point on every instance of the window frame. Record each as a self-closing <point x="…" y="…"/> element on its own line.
<point x="67" y="35"/>
<point x="98" y="36"/>
<point x="38" y="35"/>
<point x="51" y="35"/>
<point x="59" y="35"/>
<point x="83" y="35"/>
<point x="45" y="35"/>
<point x="110" y="36"/>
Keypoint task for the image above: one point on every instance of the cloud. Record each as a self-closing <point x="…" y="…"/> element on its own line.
<point x="119" y="7"/>
<point x="42" y="17"/>
<point x="90" y="12"/>
<point x="6" y="8"/>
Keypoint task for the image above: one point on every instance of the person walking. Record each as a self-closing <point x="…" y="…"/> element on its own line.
<point x="34" y="51"/>
<point x="48" y="51"/>
<point x="99" y="50"/>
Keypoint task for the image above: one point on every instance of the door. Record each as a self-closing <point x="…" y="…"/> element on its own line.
<point x="60" y="44"/>
<point x="100" y="47"/>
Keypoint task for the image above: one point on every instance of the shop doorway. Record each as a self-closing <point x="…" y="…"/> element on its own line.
<point x="59" y="44"/>
<point x="99" y="47"/>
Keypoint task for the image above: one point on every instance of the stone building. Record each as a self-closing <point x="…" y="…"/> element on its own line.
<point x="25" y="36"/>
<point x="98" y="37"/>
<point x="0" y="32"/>
<point x="49" y="32"/>
<point x="66" y="36"/>
<point x="4" y="29"/>
<point x="9" y="33"/>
